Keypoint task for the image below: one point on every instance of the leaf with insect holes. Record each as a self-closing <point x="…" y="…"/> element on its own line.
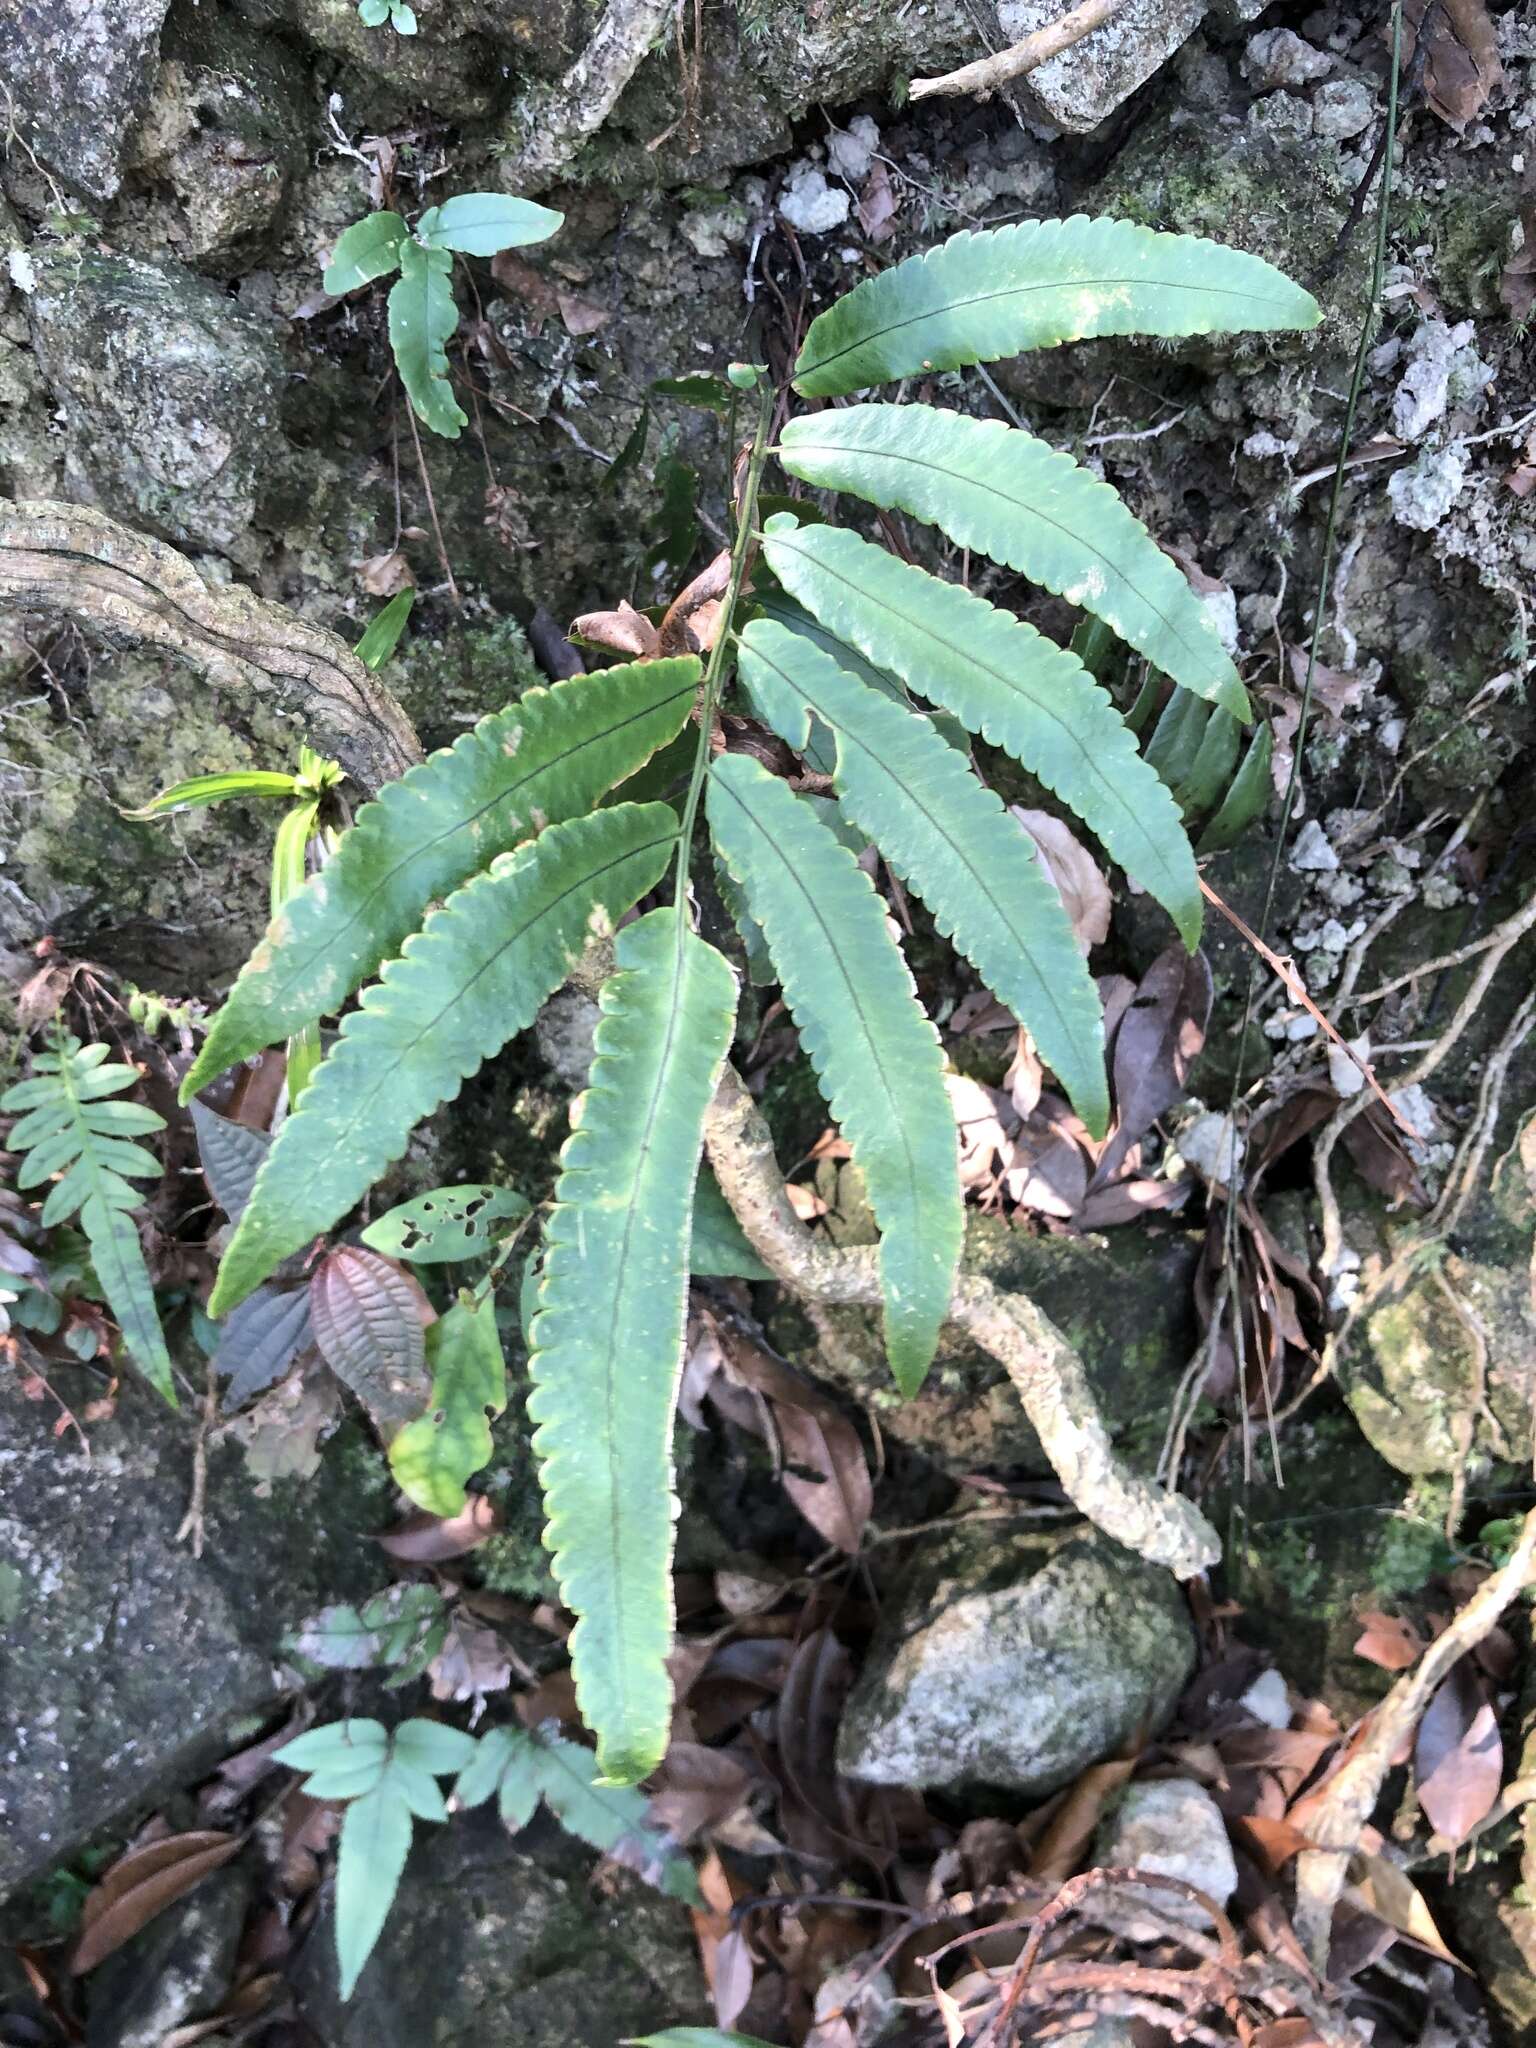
<point x="423" y="316"/>
<point x="447" y="1223"/>
<point x="547" y="758"/>
<point x="1036" y="284"/>
<point x="608" y="1336"/>
<point x="1007" y="494"/>
<point x="83" y="1144"/>
<point x="1002" y="679"/>
<point x="370" y="248"/>
<point x="950" y="839"/>
<point x="876" y="1055"/>
<point x="433" y="1456"/>
<point x="367" y="1323"/>
<point x="485" y="223"/>
<point x="473" y="977"/>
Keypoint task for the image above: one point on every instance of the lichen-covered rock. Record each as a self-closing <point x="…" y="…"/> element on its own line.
<point x="1015" y="1661"/>
<point x="77" y="72"/>
<point x="521" y="1946"/>
<point x="169" y="394"/>
<point x="1086" y="82"/>
<point x="124" y="1660"/>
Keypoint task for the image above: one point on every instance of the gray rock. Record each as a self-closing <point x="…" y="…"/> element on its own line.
<point x="169" y="393"/>
<point x="1342" y="109"/>
<point x="1077" y="89"/>
<point x="123" y="1659"/>
<point x="521" y="1948"/>
<point x="1424" y="492"/>
<point x="1171" y="1827"/>
<point x="178" y="1969"/>
<point x="1278" y="56"/>
<point x="77" y="73"/>
<point x="564" y="1031"/>
<point x="810" y="204"/>
<point x="1015" y="1661"/>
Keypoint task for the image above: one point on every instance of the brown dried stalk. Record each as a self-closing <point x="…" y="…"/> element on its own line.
<point x="67" y="561"/>
<point x="1046" y="1372"/>
<point x="988" y="73"/>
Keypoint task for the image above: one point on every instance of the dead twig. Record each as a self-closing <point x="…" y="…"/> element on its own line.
<point x="1336" y="1823"/>
<point x="1044" y="1368"/>
<point x="988" y="73"/>
<point x="1504" y="935"/>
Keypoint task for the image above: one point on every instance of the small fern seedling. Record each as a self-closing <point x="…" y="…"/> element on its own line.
<point x="73" y="1135"/>
<point x="423" y="313"/>
<point x="870" y="668"/>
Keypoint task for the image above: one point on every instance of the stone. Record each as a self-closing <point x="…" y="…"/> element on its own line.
<point x="1169" y="1827"/>
<point x="1278" y="56"/>
<point x="1085" y="83"/>
<point x="124" y="1660"/>
<point x="523" y="1948"/>
<point x="1312" y="853"/>
<point x="564" y="1031"/>
<point x="77" y="73"/>
<point x="1424" y="491"/>
<point x="810" y="204"/>
<point x="178" y="1969"/>
<point x="851" y="150"/>
<point x="1342" y="109"/>
<point x="1014" y="1661"/>
<point x="1123" y="1300"/>
<point x="1443" y="369"/>
<point x="169" y="394"/>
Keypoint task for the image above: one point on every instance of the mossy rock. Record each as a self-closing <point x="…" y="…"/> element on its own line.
<point x="1124" y="1300"/>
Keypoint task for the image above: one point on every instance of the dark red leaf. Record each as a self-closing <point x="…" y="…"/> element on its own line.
<point x="433" y="1539"/>
<point x="1458" y="1758"/>
<point x="368" y="1315"/>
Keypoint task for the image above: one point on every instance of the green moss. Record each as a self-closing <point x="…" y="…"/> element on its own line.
<point x="447" y="681"/>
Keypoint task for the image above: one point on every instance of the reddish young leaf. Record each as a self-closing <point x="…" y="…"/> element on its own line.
<point x="368" y="1318"/>
<point x="1388" y="1640"/>
<point x="434" y="1539"/>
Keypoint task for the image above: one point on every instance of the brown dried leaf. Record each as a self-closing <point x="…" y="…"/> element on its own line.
<point x="1336" y="690"/>
<point x="581" y="316"/>
<point x="1077" y="875"/>
<point x="824" y="1471"/>
<point x="433" y="1539"/>
<point x="142" y="1884"/>
<point x="1458" y="1758"/>
<point x="698" y="1789"/>
<point x="386" y="575"/>
<point x="472" y="1662"/>
<point x="1159" y="1038"/>
<point x="692" y="620"/>
<point x="1388" y="1640"/>
<point x="517" y="275"/>
<point x="1377" y="1155"/>
<point x="1462" y="57"/>
<point x="1379" y="1887"/>
<point x="878" y="203"/>
<point x="1517" y="289"/>
<point x="1065" y="1843"/>
<point x="626" y="631"/>
<point x="734" y="1970"/>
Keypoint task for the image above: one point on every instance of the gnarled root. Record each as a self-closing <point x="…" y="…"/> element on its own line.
<point x="68" y="561"/>
<point x="1044" y="1368"/>
<point x="557" y="119"/>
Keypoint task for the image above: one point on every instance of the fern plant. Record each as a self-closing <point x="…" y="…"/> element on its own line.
<point x="75" y="1136"/>
<point x="423" y="313"/>
<point x="508" y="834"/>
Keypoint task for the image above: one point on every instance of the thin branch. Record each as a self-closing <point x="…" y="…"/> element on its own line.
<point x="1046" y="1372"/>
<point x="1506" y="935"/>
<point x="1337" y="1822"/>
<point x="988" y="73"/>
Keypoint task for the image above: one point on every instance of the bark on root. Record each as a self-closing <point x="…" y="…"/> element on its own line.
<point x="70" y="562"/>
<point x="557" y="119"/>
<point x="1046" y="1372"/>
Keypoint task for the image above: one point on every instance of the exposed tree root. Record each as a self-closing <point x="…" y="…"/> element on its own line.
<point x="984" y="76"/>
<point x="1337" y="1822"/>
<point x="553" y="121"/>
<point x="70" y="562"/>
<point x="1045" y="1370"/>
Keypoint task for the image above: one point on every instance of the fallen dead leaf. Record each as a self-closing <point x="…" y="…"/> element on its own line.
<point x="1462" y="56"/>
<point x="1077" y="875"/>
<point x="142" y="1884"/>
<point x="434" y="1539"/>
<point x="878" y="204"/>
<point x="386" y="575"/>
<point x="625" y="630"/>
<point x="1378" y="1886"/>
<point x="1388" y="1640"/>
<point x="1458" y="1757"/>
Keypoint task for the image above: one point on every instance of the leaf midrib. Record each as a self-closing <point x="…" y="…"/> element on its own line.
<point x="1047" y="993"/>
<point x="281" y="989"/>
<point x="1018" y="504"/>
<point x="1018" y="291"/>
<point x="976" y="661"/>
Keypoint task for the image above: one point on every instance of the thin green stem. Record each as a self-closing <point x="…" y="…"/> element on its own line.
<point x="715" y="668"/>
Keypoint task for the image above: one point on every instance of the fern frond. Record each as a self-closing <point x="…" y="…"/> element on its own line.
<point x="472" y="978"/>
<point x="71" y="1129"/>
<point x="978" y="297"/>
<point x="548" y="757"/>
<point x="951" y="841"/>
<point x="1002" y="679"/>
<point x="874" y="1051"/>
<point x="608" y="1333"/>
<point x="1009" y="495"/>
